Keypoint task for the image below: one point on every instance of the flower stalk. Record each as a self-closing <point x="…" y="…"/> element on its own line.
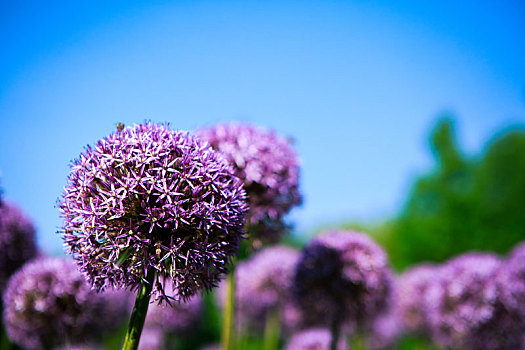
<point x="228" y="315"/>
<point x="272" y="330"/>
<point x="138" y="315"/>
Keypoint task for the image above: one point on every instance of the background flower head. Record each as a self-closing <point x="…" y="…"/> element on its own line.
<point x="269" y="168"/>
<point x="342" y="276"/>
<point x="17" y="240"/>
<point x="463" y="298"/>
<point x="48" y="302"/>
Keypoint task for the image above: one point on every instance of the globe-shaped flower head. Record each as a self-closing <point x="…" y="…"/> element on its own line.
<point x="263" y="285"/>
<point x="463" y="298"/>
<point x="511" y="279"/>
<point x="17" y="241"/>
<point x="269" y="168"/>
<point x="410" y="292"/>
<point x="148" y="198"/>
<point x="48" y="303"/>
<point x="342" y="276"/>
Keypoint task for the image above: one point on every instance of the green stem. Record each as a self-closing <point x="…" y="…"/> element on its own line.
<point x="272" y="330"/>
<point x="335" y="331"/>
<point x="228" y="312"/>
<point x="138" y="315"/>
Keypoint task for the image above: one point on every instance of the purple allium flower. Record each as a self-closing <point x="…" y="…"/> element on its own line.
<point x="314" y="339"/>
<point x="48" y="302"/>
<point x="511" y="280"/>
<point x="385" y="331"/>
<point x="269" y="167"/>
<point x="462" y="299"/>
<point x="178" y="317"/>
<point x="150" y="198"/>
<point x="410" y="290"/>
<point x="17" y="241"/>
<point x="504" y="330"/>
<point x="342" y="276"/>
<point x="263" y="285"/>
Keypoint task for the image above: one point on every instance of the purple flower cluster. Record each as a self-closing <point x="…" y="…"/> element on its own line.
<point x="410" y="290"/>
<point x="48" y="302"/>
<point x="512" y="280"/>
<point x="148" y="198"/>
<point x="263" y="284"/>
<point x="314" y="339"/>
<point x="17" y="241"/>
<point x="269" y="168"/>
<point x="342" y="276"/>
<point x="385" y="331"/>
<point x="462" y="299"/>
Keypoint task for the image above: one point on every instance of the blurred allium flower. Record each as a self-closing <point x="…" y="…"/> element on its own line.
<point x="17" y="241"/>
<point x="385" y="331"/>
<point x="504" y="330"/>
<point x="511" y="280"/>
<point x="342" y="276"/>
<point x="410" y="290"/>
<point x="269" y="168"/>
<point x="314" y="339"/>
<point x="150" y="198"/>
<point x="179" y="317"/>
<point x="48" y="302"/>
<point x="263" y="284"/>
<point x="462" y="299"/>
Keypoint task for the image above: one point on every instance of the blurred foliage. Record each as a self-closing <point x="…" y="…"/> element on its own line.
<point x="464" y="204"/>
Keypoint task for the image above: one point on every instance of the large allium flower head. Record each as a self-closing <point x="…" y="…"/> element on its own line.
<point x="177" y="317"/>
<point x="463" y="298"/>
<point x="314" y="339"/>
<point x="263" y="283"/>
<point x="511" y="280"/>
<point x="48" y="302"/>
<point x="410" y="290"/>
<point x="17" y="241"/>
<point x="342" y="275"/>
<point x="150" y="198"/>
<point x="269" y="168"/>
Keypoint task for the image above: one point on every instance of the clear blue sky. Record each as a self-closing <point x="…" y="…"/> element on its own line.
<point x="358" y="86"/>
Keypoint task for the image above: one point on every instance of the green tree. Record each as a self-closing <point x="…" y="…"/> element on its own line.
<point x="463" y="204"/>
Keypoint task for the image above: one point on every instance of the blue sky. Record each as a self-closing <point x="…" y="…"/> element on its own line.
<point x="358" y="86"/>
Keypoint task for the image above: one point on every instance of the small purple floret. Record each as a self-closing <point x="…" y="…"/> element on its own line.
<point x="148" y="198"/>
